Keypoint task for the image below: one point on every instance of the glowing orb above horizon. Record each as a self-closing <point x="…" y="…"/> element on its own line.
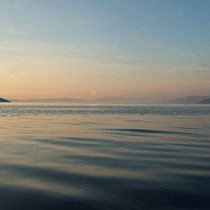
<point x="92" y="93"/>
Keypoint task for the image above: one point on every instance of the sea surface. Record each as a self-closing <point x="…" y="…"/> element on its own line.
<point x="107" y="157"/>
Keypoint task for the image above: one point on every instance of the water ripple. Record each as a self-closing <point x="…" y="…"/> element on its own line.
<point x="104" y="157"/>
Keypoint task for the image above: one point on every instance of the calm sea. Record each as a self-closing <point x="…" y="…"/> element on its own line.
<point x="59" y="157"/>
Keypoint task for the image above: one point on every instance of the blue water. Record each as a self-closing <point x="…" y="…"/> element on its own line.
<point x="104" y="157"/>
<point x="47" y="109"/>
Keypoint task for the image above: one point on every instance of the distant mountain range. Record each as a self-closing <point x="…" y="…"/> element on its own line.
<point x="119" y="100"/>
<point x="53" y="100"/>
<point x="3" y="100"/>
<point x="183" y="100"/>
<point x="190" y="100"/>
<point x="106" y="100"/>
<point x="206" y="101"/>
<point x="127" y="100"/>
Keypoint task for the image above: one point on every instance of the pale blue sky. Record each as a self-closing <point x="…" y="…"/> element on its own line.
<point x="115" y="47"/>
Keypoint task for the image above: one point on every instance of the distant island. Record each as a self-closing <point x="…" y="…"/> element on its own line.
<point x="206" y="101"/>
<point x="190" y="100"/>
<point x="183" y="100"/>
<point x="119" y="100"/>
<point x="2" y="100"/>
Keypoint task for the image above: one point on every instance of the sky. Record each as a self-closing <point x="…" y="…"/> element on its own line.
<point x="104" y="48"/>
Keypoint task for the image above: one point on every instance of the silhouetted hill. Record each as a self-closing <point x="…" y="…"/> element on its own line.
<point x="206" y="101"/>
<point x="4" y="100"/>
<point x="188" y="100"/>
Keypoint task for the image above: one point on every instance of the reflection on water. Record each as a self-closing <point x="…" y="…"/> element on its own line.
<point x="54" y="158"/>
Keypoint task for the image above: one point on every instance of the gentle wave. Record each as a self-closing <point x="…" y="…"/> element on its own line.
<point x="103" y="162"/>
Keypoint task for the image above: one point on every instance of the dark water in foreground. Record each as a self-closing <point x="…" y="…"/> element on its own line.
<point x="104" y="157"/>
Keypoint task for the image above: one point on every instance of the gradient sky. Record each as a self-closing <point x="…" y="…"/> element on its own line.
<point x="104" y="48"/>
